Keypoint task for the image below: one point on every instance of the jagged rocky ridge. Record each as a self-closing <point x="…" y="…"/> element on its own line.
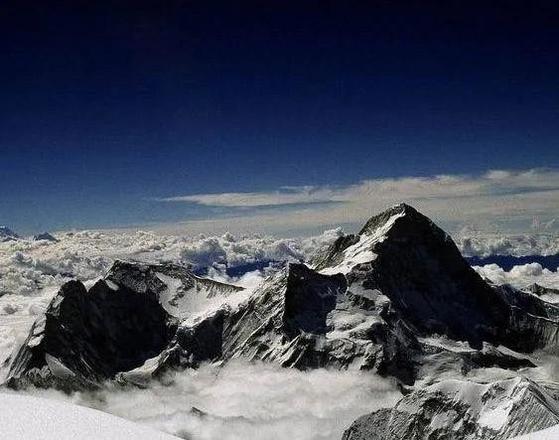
<point x="465" y="410"/>
<point x="88" y="336"/>
<point x="378" y="300"/>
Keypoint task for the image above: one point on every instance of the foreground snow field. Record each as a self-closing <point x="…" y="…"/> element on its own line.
<point x="32" y="418"/>
<point x="546" y="434"/>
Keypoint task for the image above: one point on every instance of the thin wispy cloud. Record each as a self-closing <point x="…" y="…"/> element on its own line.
<point x="283" y="196"/>
<point x="507" y="199"/>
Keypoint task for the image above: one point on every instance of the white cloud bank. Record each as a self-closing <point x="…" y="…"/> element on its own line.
<point x="510" y="200"/>
<point x="522" y="276"/>
<point x="475" y="243"/>
<point x="276" y="403"/>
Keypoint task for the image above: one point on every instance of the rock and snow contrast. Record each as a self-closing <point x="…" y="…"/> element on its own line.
<point x="396" y="300"/>
<point x="458" y="409"/>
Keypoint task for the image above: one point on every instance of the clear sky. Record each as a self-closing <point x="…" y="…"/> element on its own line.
<point x="107" y="108"/>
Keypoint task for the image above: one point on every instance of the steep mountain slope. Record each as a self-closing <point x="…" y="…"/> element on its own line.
<point x="130" y="316"/>
<point x="546" y="293"/>
<point x="456" y="409"/>
<point x="418" y="267"/>
<point x="551" y="433"/>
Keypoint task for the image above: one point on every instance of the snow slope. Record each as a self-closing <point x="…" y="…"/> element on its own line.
<point x="360" y="252"/>
<point x="545" y="434"/>
<point x="33" y="418"/>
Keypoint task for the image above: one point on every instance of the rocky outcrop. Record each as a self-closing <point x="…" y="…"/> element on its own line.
<point x="91" y="335"/>
<point x="463" y="410"/>
<point x="87" y="336"/>
<point x="303" y="319"/>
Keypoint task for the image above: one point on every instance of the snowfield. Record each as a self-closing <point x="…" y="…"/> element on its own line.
<point x="32" y="418"/>
<point x="545" y="434"/>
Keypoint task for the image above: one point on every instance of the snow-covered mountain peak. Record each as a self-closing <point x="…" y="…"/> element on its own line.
<point x="180" y="292"/>
<point x="401" y="223"/>
<point x="361" y="249"/>
<point x="380" y="220"/>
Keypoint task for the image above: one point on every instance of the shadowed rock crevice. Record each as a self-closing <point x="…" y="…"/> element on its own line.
<point x="95" y="334"/>
<point x="309" y="297"/>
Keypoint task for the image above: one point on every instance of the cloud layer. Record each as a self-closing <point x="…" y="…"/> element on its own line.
<point x="276" y="403"/>
<point x="522" y="276"/>
<point x="506" y="200"/>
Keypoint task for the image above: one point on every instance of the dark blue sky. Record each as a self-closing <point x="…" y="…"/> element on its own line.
<point x="106" y="106"/>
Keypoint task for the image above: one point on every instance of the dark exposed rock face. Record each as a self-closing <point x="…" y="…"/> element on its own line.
<point x="309" y="297"/>
<point x="94" y="334"/>
<point x="422" y="272"/>
<point x="456" y="409"/>
<point x="86" y="336"/>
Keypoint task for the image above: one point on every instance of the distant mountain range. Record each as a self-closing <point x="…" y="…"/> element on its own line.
<point x="6" y="234"/>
